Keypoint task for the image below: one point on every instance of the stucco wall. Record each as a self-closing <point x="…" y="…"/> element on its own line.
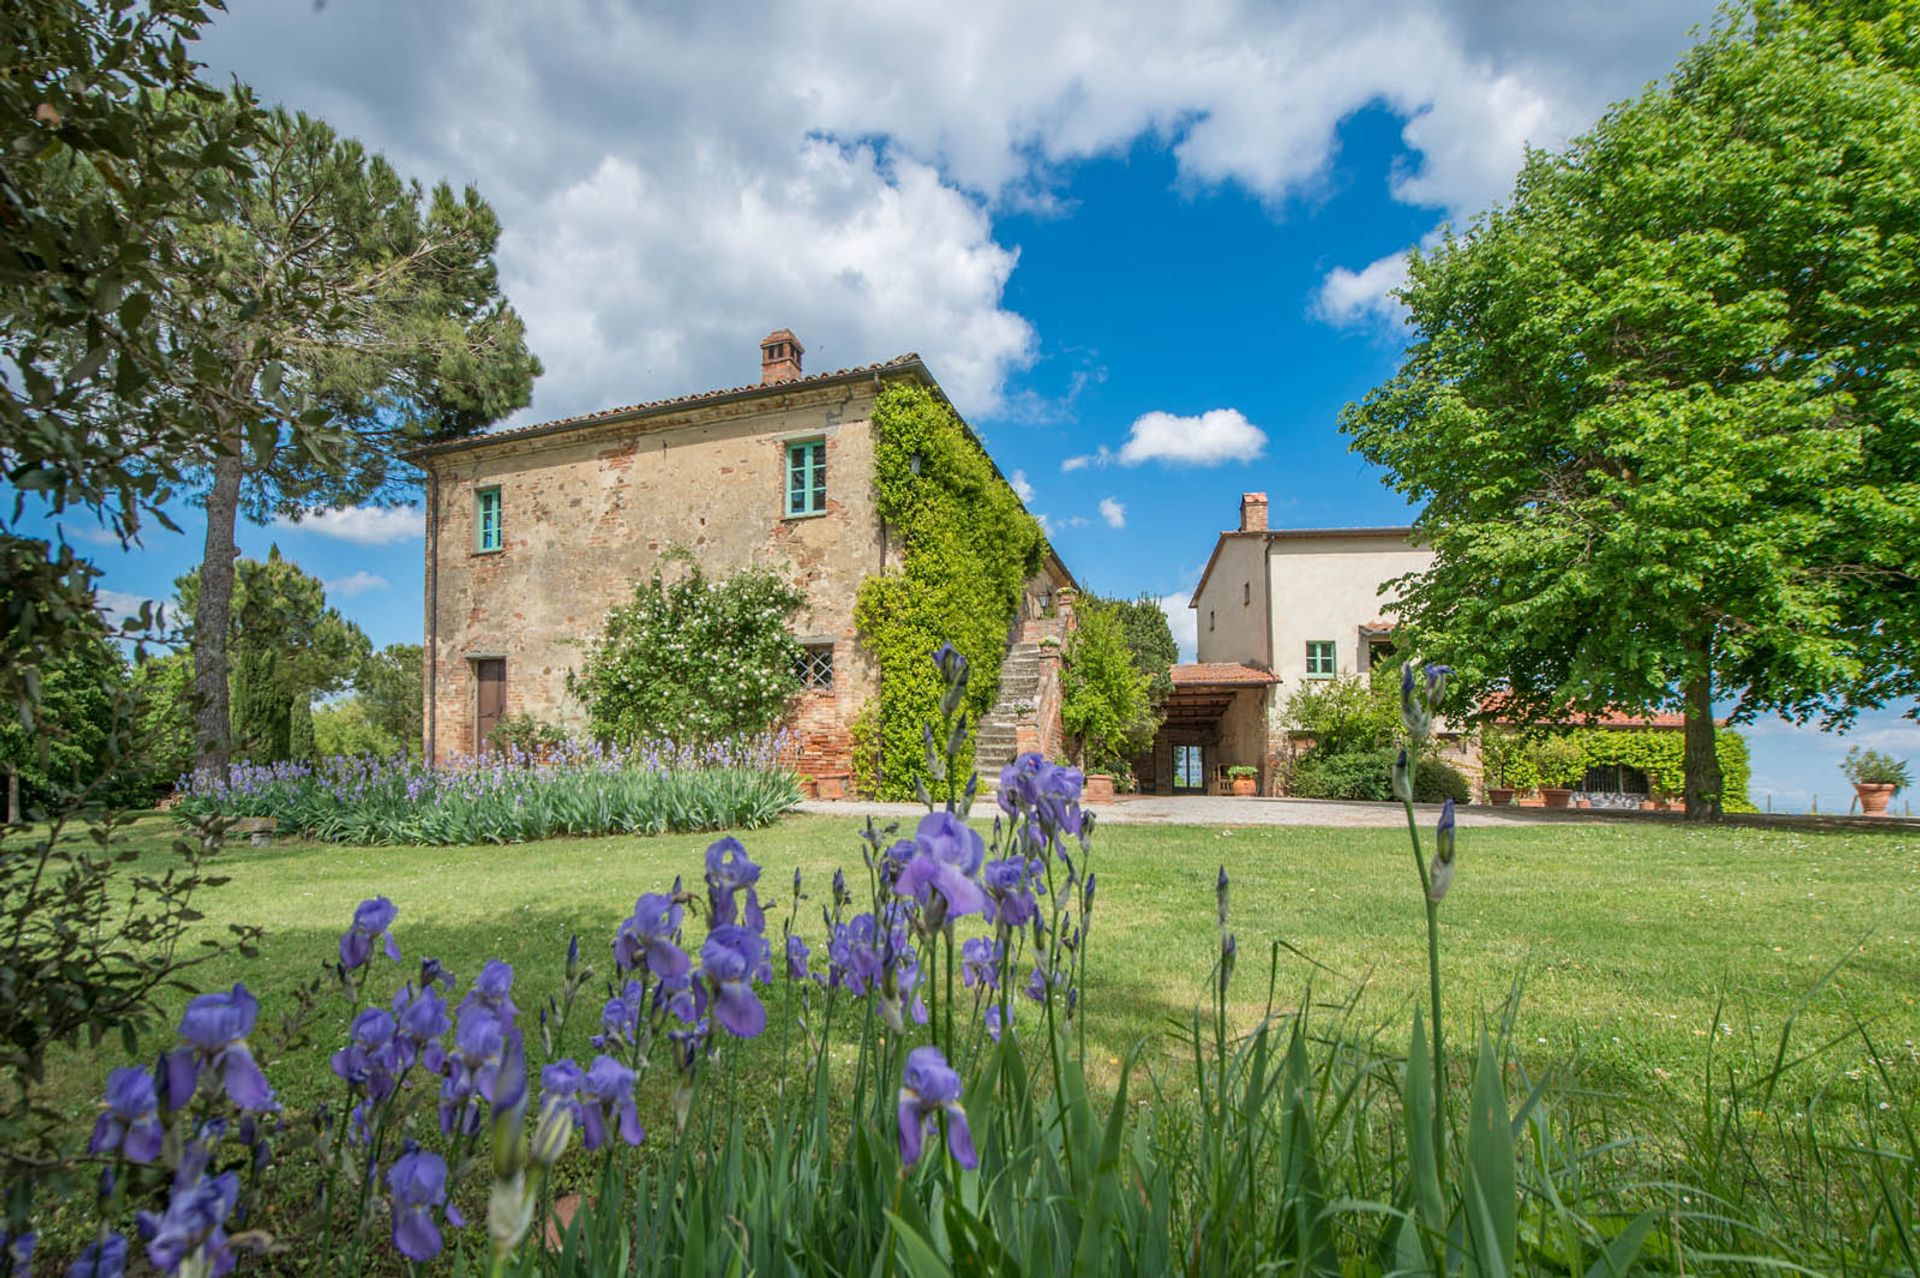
<point x="1328" y="588"/>
<point x="1232" y="605"/>
<point x="587" y="514"/>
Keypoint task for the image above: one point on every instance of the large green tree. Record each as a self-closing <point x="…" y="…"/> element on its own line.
<point x="287" y="647"/>
<point x="1663" y="408"/>
<point x="390" y="689"/>
<point x="101" y="173"/>
<point x="337" y="292"/>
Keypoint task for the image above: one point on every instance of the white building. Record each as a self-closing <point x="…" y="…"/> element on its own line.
<point x="1275" y="608"/>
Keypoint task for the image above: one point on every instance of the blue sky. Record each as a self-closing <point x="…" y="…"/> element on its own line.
<point x="1100" y="223"/>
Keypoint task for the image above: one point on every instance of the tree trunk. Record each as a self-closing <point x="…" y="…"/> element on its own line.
<point x="212" y="722"/>
<point x="1701" y="762"/>
<point x="13" y="796"/>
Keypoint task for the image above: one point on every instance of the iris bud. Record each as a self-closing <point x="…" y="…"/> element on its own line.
<point x="1403" y="776"/>
<point x="554" y="1131"/>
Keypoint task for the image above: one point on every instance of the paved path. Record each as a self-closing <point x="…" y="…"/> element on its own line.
<point x="1206" y="809"/>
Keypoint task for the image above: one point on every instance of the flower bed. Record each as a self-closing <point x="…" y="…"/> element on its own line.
<point x="573" y="789"/>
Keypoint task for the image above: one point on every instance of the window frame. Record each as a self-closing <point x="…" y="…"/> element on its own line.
<point x="813" y="467"/>
<point x="1327" y="648"/>
<point x="810" y="655"/>
<point x="480" y="496"/>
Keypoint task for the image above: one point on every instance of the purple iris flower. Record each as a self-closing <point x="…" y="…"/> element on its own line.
<point x="471" y="1067"/>
<point x="798" y="958"/>
<point x="980" y="963"/>
<point x="106" y="1258"/>
<point x="729" y="872"/>
<point x="421" y="1021"/>
<point x="606" y="1100"/>
<point x="418" y="1183"/>
<point x="650" y="934"/>
<point x="729" y="959"/>
<point x="372" y="920"/>
<point x="930" y="1086"/>
<point x="214" y="1031"/>
<point x="996" y="1022"/>
<point x="130" y="1118"/>
<point x="947" y="854"/>
<point x="366" y="1063"/>
<point x="853" y="954"/>
<point x="953" y="666"/>
<point x="620" y="1018"/>
<point x="1008" y="883"/>
<point x="492" y="992"/>
<point x="193" y="1227"/>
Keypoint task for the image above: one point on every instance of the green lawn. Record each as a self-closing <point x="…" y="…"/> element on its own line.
<point x="1627" y="938"/>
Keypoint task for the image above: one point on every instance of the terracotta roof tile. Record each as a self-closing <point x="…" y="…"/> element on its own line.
<point x="909" y="360"/>
<point x="1200" y="673"/>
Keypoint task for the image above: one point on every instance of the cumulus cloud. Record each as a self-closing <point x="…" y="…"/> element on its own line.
<point x="1115" y="513"/>
<point x="362" y="525"/>
<point x="1351" y="298"/>
<point x="1022" y="487"/>
<point x="1213" y="438"/>
<point x="1184" y="622"/>
<point x="358" y="583"/>
<point x="674" y="181"/>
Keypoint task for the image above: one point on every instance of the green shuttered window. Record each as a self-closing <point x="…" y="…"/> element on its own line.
<point x="807" y="478"/>
<point x="487" y="533"/>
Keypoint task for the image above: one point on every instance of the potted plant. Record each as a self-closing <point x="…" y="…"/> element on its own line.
<point x="1499" y="753"/>
<point x="1244" y="779"/>
<point x="831" y="785"/>
<point x="1876" y="778"/>
<point x="1098" y="788"/>
<point x="1560" y="762"/>
<point x="1660" y="793"/>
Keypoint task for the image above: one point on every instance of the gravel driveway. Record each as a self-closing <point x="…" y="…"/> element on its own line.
<point x="1207" y="809"/>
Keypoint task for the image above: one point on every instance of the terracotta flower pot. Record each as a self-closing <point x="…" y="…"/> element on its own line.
<point x="831" y="785"/>
<point x="1873" y="797"/>
<point x="1647" y="805"/>
<point x="1499" y="795"/>
<point x="1554" y="796"/>
<point x="1583" y="803"/>
<point x="1246" y="787"/>
<point x="1098" y="788"/>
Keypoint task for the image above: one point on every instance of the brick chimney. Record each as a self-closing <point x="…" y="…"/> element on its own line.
<point x="1253" y="512"/>
<point x="780" y="353"/>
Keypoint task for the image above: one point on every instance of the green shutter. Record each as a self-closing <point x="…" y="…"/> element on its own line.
<point x="486" y="520"/>
<point x="807" y="478"/>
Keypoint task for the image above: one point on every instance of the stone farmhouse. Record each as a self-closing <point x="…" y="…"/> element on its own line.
<point x="534" y="533"/>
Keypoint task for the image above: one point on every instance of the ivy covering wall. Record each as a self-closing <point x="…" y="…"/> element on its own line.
<point x="970" y="549"/>
<point x="1656" y="752"/>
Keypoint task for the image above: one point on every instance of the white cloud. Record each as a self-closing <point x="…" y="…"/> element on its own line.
<point x="1215" y="437"/>
<point x="1113" y="512"/>
<point x="1350" y="298"/>
<point x="674" y="180"/>
<point x="358" y="583"/>
<point x="1022" y="488"/>
<point x="362" y="525"/>
<point x="117" y="606"/>
<point x="1184" y="621"/>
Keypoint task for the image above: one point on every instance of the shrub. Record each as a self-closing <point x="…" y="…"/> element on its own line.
<point x="1350" y="713"/>
<point x="1871" y="767"/>
<point x="692" y="660"/>
<point x="1368" y="775"/>
<point x="521" y="735"/>
<point x="579" y="790"/>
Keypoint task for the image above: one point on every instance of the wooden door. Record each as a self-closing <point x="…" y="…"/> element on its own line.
<point x="492" y="702"/>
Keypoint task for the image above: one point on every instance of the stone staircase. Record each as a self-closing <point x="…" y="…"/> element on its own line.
<point x="1014" y="707"/>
